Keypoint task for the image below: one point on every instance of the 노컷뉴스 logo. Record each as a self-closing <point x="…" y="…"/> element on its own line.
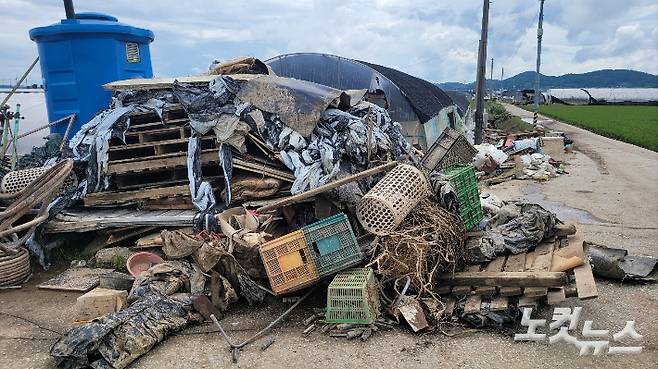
<point x="594" y="342"/>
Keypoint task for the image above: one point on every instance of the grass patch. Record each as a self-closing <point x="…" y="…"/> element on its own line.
<point x="629" y="123"/>
<point x="515" y="124"/>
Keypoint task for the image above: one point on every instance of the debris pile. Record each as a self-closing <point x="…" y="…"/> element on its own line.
<point x="241" y="185"/>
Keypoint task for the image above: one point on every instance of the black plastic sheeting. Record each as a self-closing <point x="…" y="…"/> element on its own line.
<point x="410" y="98"/>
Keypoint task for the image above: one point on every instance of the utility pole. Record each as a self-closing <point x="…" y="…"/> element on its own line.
<point x="502" y="73"/>
<point x="491" y="79"/>
<point x="540" y="33"/>
<point x="481" y="75"/>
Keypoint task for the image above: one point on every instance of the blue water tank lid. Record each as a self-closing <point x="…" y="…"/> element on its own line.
<point x="95" y="15"/>
<point x="89" y="22"/>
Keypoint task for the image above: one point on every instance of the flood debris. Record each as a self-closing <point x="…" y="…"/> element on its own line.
<point x="614" y="263"/>
<point x="227" y="188"/>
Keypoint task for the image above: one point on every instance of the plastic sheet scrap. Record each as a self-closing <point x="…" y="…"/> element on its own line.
<point x="116" y="340"/>
<point x="515" y="229"/>
<point x="91" y="142"/>
<point x="613" y="263"/>
<point x="339" y="136"/>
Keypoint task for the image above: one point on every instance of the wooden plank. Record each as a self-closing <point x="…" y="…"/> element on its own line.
<point x="461" y="290"/>
<point x="527" y="301"/>
<point x="499" y="303"/>
<point x="99" y="219"/>
<point x="127" y="233"/>
<point x="570" y="256"/>
<point x="585" y="280"/>
<point x="117" y="197"/>
<point x="443" y="290"/>
<point x="329" y="186"/>
<point x="450" y="306"/>
<point x="167" y="82"/>
<point x="505" y="279"/>
<point x="155" y="83"/>
<point x="170" y="160"/>
<point x="555" y="296"/>
<point x="514" y="263"/>
<point x="472" y="304"/>
<point x="543" y="259"/>
<point x="496" y="265"/>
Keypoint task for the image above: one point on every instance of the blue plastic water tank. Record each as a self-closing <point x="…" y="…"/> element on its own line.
<point x="79" y="55"/>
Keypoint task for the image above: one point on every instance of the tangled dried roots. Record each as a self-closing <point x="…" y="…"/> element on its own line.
<point x="428" y="242"/>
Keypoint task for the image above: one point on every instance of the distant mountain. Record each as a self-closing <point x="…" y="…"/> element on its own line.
<point x="600" y="78"/>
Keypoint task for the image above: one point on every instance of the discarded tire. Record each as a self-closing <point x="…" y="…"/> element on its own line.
<point x="14" y="269"/>
<point x="386" y="205"/>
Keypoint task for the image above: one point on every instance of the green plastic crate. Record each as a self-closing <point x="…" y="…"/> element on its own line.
<point x="332" y="244"/>
<point x="463" y="180"/>
<point x="352" y="297"/>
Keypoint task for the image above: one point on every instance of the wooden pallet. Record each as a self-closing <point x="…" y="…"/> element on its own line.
<point x="501" y="284"/>
<point x="85" y="220"/>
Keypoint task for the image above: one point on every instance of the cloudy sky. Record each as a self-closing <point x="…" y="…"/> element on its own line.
<point x="433" y="39"/>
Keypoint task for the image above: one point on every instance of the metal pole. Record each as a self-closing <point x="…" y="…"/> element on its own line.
<point x="68" y="8"/>
<point x="481" y="75"/>
<point x="540" y="33"/>
<point x="19" y="82"/>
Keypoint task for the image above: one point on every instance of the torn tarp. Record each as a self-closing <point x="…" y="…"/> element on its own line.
<point x="339" y="136"/>
<point x="92" y="141"/>
<point x="516" y="228"/>
<point x="298" y="103"/>
<point x="116" y="340"/>
<point x="608" y="262"/>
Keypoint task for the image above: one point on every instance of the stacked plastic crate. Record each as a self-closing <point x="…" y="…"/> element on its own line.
<point x="352" y="297"/>
<point x="303" y="257"/>
<point x="462" y="178"/>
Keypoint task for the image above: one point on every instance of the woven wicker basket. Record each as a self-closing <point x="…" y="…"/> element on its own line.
<point x="14" y="269"/>
<point x="386" y="205"/>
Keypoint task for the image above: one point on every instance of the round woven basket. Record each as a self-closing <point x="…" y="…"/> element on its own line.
<point x="16" y="181"/>
<point x="386" y="205"/>
<point x="14" y="269"/>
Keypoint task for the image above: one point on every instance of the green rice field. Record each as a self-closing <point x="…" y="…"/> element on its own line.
<point x="629" y="123"/>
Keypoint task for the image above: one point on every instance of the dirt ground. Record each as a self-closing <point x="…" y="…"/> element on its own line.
<point x="612" y="191"/>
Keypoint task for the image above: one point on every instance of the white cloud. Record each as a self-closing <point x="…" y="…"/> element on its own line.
<point x="436" y="40"/>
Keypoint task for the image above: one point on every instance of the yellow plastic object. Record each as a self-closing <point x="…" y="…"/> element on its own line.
<point x="288" y="263"/>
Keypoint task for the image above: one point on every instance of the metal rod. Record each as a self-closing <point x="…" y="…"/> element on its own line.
<point x="68" y="8"/>
<point x="4" y="101"/>
<point x="540" y="33"/>
<point x="236" y="347"/>
<point x="481" y="75"/>
<point x="66" y="133"/>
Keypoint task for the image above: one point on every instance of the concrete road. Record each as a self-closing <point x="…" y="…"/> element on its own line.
<point x="612" y="191"/>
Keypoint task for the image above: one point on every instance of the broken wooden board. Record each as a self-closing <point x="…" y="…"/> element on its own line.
<point x="167" y="82"/>
<point x="496" y="265"/>
<point x="472" y="304"/>
<point x="570" y="256"/>
<point x="555" y="296"/>
<point x="75" y="279"/>
<point x="326" y="187"/>
<point x="499" y="303"/>
<point x="460" y="290"/>
<point x="527" y="301"/>
<point x="85" y="220"/>
<point x="413" y="313"/>
<point x="585" y="280"/>
<point x="505" y="279"/>
<point x="449" y="306"/>
<point x="126" y="234"/>
<point x="542" y="263"/>
<point x="120" y="197"/>
<point x="514" y="263"/>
